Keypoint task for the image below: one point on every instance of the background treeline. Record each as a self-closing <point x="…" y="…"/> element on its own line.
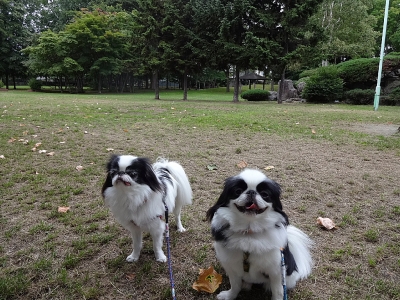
<point x="119" y="45"/>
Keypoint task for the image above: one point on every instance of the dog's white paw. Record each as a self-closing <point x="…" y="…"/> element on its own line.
<point x="161" y="258"/>
<point x="132" y="258"/>
<point x="181" y="229"/>
<point x="225" y="295"/>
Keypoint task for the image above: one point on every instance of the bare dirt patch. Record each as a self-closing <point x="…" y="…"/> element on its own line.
<point x="377" y="129"/>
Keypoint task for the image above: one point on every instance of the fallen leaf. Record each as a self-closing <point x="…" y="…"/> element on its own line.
<point x="110" y="149"/>
<point x="2" y="156"/>
<point x="85" y="132"/>
<point x="212" y="167"/>
<point x="208" y="281"/>
<point x="269" y="168"/>
<point x="33" y="149"/>
<point x="130" y="276"/>
<point x="79" y="168"/>
<point x="12" y="140"/>
<point x="242" y="164"/>
<point x="313" y="131"/>
<point x="38" y="145"/>
<point x="63" y="209"/>
<point x="326" y="223"/>
<point x="42" y="151"/>
<point x="50" y="154"/>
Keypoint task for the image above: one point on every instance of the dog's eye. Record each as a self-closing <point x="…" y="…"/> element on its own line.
<point x="132" y="174"/>
<point x="238" y="191"/>
<point x="113" y="173"/>
<point x="264" y="195"/>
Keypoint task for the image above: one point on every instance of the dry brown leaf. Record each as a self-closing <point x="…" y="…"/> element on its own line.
<point x="110" y="149"/>
<point x="326" y="223"/>
<point x="50" y="154"/>
<point x="42" y="151"/>
<point x="313" y="131"/>
<point x="63" y="209"/>
<point x="79" y="168"/>
<point x="11" y="140"/>
<point x="130" y="276"/>
<point x="242" y="164"/>
<point x="208" y="281"/>
<point x="38" y="145"/>
<point x="33" y="149"/>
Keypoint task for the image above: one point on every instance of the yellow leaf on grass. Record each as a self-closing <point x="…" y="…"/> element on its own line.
<point x="63" y="209"/>
<point x="208" y="281"/>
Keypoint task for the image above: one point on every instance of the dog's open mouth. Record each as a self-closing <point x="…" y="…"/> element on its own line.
<point x="123" y="181"/>
<point x="251" y="208"/>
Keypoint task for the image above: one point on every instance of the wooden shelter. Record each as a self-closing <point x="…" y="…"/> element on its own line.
<point x="252" y="78"/>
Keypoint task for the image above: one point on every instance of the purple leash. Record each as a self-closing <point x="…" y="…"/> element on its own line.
<point x="171" y="275"/>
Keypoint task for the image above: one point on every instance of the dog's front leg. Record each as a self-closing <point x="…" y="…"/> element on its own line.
<point x="276" y="287"/>
<point x="157" y="234"/>
<point x="136" y="234"/>
<point x="236" y="286"/>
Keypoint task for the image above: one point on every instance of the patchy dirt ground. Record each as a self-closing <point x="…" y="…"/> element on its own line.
<point x="378" y="129"/>
<point x="357" y="187"/>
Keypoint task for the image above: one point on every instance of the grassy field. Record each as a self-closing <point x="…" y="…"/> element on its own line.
<point x="337" y="161"/>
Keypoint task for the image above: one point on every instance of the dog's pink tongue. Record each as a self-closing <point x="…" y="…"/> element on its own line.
<point x="253" y="206"/>
<point x="127" y="183"/>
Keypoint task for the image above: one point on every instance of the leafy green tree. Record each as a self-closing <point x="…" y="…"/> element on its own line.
<point x="393" y="24"/>
<point x="349" y="29"/>
<point x="13" y="37"/>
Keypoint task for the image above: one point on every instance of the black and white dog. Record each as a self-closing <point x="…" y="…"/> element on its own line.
<point x="250" y="230"/>
<point x="136" y="193"/>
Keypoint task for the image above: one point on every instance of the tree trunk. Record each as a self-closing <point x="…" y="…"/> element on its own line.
<point x="185" y="88"/>
<point x="156" y="85"/>
<point x="228" y="81"/>
<point x="281" y="86"/>
<point x="236" y="88"/>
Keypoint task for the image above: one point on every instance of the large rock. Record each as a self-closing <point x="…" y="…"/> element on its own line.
<point x="286" y="90"/>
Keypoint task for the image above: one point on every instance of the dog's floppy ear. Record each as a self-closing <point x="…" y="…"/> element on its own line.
<point x="108" y="183"/>
<point x="145" y="173"/>
<point x="275" y="195"/>
<point x="228" y="193"/>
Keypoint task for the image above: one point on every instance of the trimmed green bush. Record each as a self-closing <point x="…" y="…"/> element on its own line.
<point x="359" y="97"/>
<point x="308" y="73"/>
<point x="324" y="86"/>
<point x="35" y="85"/>
<point x="255" y="95"/>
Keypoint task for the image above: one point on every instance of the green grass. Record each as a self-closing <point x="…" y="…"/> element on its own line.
<point x="326" y="167"/>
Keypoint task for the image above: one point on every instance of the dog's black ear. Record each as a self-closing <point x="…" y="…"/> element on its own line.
<point x="112" y="163"/>
<point x="233" y="187"/>
<point x="146" y="173"/>
<point x="275" y="196"/>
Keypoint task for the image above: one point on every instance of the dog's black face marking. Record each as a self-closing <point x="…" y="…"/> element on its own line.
<point x="140" y="171"/>
<point x="234" y="187"/>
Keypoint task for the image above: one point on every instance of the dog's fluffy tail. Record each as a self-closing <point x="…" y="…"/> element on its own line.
<point x="300" y="245"/>
<point x="184" y="191"/>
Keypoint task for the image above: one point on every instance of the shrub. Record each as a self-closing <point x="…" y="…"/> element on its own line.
<point x="392" y="99"/>
<point x="255" y="95"/>
<point x="324" y="86"/>
<point x="308" y="73"/>
<point x="359" y="97"/>
<point x="359" y="73"/>
<point x="1" y="84"/>
<point x="35" y="85"/>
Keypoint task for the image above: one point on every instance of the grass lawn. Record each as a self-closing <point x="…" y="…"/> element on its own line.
<point x="337" y="161"/>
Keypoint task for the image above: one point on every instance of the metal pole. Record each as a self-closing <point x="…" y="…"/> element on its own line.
<point x="378" y="84"/>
